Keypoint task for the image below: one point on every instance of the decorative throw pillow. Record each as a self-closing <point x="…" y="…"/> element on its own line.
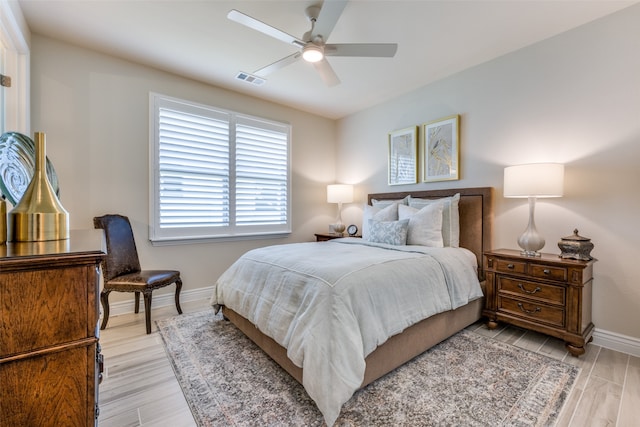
<point x="389" y="232"/>
<point x="389" y="213"/>
<point x="384" y="203"/>
<point x="450" y="217"/>
<point x="425" y="225"/>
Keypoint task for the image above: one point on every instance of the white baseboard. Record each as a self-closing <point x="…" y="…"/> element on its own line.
<point x="607" y="339"/>
<point x="161" y="300"/>
<point x="618" y="342"/>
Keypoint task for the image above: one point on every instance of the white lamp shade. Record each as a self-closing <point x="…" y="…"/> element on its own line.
<point x="534" y="180"/>
<point x="339" y="193"/>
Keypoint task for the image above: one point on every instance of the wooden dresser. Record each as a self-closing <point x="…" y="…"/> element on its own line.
<point x="546" y="294"/>
<point x="49" y="356"/>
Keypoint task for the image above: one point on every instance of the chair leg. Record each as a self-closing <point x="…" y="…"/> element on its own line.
<point x="147" y="310"/>
<point x="137" y="307"/>
<point x="104" y="299"/>
<point x="178" y="289"/>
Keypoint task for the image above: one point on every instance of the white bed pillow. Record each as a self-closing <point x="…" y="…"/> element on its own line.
<point x="425" y="225"/>
<point x="389" y="213"/>
<point x="384" y="203"/>
<point x="450" y="217"/>
<point x="389" y="232"/>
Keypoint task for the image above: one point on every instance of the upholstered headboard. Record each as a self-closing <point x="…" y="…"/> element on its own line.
<point x="476" y="215"/>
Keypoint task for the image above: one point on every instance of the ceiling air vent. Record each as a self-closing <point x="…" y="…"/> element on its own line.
<point x="250" y="78"/>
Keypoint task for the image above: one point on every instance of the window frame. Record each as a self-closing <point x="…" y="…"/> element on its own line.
<point x="16" y="64"/>
<point x="173" y="236"/>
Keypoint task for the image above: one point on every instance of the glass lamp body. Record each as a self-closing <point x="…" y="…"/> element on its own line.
<point x="530" y="240"/>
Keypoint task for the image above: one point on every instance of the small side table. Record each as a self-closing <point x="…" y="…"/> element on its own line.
<point x="546" y="294"/>
<point x="323" y="237"/>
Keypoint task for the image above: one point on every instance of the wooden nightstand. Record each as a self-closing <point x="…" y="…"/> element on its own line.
<point x="546" y="294"/>
<point x="323" y="237"/>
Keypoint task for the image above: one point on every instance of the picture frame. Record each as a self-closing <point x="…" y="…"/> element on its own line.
<point x="403" y="156"/>
<point x="441" y="148"/>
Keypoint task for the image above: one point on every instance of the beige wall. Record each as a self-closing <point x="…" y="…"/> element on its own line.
<point x="573" y="99"/>
<point x="94" y="110"/>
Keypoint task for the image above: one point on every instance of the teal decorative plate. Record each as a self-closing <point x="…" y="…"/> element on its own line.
<point x="17" y="165"/>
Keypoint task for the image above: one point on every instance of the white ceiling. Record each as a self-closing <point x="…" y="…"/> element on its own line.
<point x="195" y="39"/>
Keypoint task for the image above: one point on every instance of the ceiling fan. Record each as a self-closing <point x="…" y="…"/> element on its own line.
<point x="313" y="46"/>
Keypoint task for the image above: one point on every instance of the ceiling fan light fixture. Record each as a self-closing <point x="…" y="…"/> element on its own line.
<point x="312" y="53"/>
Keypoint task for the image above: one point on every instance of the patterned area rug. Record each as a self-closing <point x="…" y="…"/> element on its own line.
<point x="467" y="380"/>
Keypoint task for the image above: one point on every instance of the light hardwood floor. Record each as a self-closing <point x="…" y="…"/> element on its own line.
<point x="139" y="387"/>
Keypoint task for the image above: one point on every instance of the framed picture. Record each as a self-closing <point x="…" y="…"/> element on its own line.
<point x="403" y="156"/>
<point x="441" y="149"/>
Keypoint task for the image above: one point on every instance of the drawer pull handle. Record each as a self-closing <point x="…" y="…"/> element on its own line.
<point x="510" y="266"/>
<point x="537" y="289"/>
<point x="524" y="310"/>
<point x="546" y="271"/>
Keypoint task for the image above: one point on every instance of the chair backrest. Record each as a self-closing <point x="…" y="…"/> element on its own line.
<point x="122" y="255"/>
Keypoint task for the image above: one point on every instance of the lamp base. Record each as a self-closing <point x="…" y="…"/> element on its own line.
<point x="530" y="253"/>
<point x="531" y="241"/>
<point x="338" y="228"/>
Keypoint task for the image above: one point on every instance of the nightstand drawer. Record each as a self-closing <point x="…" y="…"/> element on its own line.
<point x="509" y="266"/>
<point x="543" y="271"/>
<point x="538" y="291"/>
<point x="539" y="313"/>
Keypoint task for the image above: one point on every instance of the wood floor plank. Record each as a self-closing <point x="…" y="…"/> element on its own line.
<point x="630" y="404"/>
<point x="510" y="335"/>
<point x="611" y="365"/>
<point x="117" y="417"/>
<point x="599" y="404"/>
<point x="553" y="348"/>
<point x="585" y="363"/>
<point x="170" y="405"/>
<point x="532" y="341"/>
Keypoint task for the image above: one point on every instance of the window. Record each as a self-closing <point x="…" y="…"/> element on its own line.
<point x="216" y="174"/>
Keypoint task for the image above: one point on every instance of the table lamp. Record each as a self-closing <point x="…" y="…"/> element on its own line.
<point x="533" y="181"/>
<point x="339" y="193"/>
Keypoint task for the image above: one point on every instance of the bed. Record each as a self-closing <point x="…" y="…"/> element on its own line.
<point x="334" y="337"/>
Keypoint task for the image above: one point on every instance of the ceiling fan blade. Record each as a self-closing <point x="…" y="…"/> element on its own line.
<point x="257" y="25"/>
<point x="329" y="15"/>
<point x="380" y="50"/>
<point x="327" y="74"/>
<point x="287" y="60"/>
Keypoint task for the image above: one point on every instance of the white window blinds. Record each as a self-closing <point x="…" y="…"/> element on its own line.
<point x="217" y="174"/>
<point x="193" y="169"/>
<point x="261" y="174"/>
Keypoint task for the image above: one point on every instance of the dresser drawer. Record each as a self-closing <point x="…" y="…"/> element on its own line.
<point x="539" y="291"/>
<point x="539" y="313"/>
<point x="543" y="271"/>
<point x="508" y="266"/>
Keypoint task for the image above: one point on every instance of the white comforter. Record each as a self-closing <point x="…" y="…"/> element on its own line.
<point x="332" y="303"/>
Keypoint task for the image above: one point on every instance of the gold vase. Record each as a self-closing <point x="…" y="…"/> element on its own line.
<point x="39" y="215"/>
